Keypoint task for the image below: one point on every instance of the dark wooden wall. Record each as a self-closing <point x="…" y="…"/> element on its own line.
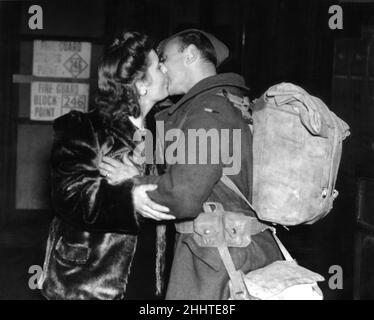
<point x="8" y="48"/>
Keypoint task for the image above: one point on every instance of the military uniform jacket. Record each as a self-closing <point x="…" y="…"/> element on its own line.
<point x="198" y="273"/>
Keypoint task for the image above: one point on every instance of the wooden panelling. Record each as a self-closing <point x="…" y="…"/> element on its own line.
<point x="33" y="156"/>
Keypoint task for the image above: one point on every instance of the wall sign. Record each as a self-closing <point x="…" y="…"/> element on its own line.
<point x="50" y="100"/>
<point x="62" y="59"/>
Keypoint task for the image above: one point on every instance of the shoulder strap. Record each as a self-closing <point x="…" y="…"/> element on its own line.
<point x="287" y="256"/>
<point x="238" y="289"/>
<point x="240" y="103"/>
<point x="231" y="185"/>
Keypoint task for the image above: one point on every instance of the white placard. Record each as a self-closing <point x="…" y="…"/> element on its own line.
<point x="50" y="100"/>
<point x="62" y="59"/>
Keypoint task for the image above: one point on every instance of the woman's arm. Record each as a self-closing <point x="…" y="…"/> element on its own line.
<point x="80" y="195"/>
<point x="115" y="170"/>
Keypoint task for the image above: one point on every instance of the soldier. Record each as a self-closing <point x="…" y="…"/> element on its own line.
<point x="189" y="60"/>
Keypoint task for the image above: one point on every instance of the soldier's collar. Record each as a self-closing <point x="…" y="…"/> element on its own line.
<point x="216" y="81"/>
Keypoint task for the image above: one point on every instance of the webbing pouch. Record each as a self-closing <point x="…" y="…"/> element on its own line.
<point x="215" y="227"/>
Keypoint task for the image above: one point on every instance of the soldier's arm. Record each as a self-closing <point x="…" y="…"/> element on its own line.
<point x="185" y="186"/>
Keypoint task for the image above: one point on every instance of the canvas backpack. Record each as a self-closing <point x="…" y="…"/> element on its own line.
<point x="297" y="146"/>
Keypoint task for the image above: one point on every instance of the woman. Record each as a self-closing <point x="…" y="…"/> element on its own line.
<point x="92" y="240"/>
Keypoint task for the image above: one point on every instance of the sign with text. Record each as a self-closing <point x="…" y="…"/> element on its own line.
<point x="62" y="59"/>
<point x="50" y="100"/>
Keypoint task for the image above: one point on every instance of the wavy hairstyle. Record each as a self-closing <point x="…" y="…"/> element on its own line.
<point x="123" y="63"/>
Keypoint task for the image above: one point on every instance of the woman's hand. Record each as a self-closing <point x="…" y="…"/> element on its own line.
<point x="115" y="171"/>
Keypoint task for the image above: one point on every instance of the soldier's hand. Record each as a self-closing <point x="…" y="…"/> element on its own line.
<point x="147" y="207"/>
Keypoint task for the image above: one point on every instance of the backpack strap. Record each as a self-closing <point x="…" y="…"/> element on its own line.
<point x="231" y="185"/>
<point x="238" y="290"/>
<point x="242" y="104"/>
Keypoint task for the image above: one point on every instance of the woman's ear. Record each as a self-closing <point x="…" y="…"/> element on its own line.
<point x="141" y="87"/>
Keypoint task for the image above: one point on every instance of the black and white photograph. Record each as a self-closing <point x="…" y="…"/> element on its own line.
<point x="203" y="151"/>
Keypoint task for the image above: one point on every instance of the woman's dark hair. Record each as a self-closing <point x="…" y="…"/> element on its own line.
<point x="123" y="63"/>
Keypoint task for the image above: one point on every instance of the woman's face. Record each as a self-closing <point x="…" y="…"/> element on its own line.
<point x="156" y="84"/>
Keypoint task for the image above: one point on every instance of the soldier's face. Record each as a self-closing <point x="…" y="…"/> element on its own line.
<point x="173" y="65"/>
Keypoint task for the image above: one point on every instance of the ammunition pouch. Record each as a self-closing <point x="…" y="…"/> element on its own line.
<point x="215" y="227"/>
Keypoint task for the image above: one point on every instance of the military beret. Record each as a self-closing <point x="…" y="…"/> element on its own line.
<point x="221" y="50"/>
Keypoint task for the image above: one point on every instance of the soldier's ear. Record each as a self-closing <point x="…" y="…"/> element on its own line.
<point x="191" y="54"/>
